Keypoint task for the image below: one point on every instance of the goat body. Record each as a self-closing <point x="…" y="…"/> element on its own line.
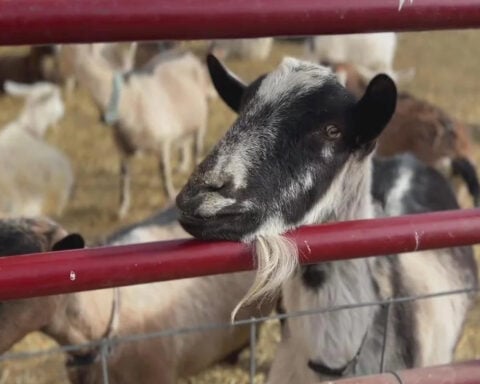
<point x="400" y="185"/>
<point x="375" y="51"/>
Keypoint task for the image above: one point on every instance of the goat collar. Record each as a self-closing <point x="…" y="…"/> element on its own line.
<point x="110" y="116"/>
<point x="93" y="354"/>
<point x="324" y="370"/>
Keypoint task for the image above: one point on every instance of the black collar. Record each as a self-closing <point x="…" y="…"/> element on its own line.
<point x="324" y="370"/>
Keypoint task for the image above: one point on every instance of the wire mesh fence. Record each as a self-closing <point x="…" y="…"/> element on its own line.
<point x="106" y="347"/>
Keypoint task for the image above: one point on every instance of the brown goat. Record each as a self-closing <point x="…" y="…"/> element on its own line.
<point x="423" y="129"/>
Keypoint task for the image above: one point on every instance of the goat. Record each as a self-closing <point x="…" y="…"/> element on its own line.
<point x="300" y="153"/>
<point x="149" y="110"/>
<point x="37" y="178"/>
<point x="371" y="53"/>
<point x="246" y="49"/>
<point x="423" y="129"/>
<point x="402" y="184"/>
<point x="112" y="313"/>
<point x="375" y="51"/>
<point x="24" y="68"/>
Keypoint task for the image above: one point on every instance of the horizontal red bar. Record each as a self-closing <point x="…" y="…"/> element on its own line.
<point x="456" y="373"/>
<point x="77" y="270"/>
<point x="62" y="21"/>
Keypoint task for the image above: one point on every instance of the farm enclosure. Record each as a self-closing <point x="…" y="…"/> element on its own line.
<point x="446" y="73"/>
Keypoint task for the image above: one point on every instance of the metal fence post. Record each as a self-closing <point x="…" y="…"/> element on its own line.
<point x="253" y="342"/>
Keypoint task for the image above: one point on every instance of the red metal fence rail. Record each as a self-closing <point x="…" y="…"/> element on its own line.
<point x="57" y="21"/>
<point x="68" y="271"/>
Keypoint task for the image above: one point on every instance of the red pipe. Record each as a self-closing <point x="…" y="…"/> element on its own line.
<point x="456" y="373"/>
<point x="62" y="21"/>
<point x="68" y="271"/>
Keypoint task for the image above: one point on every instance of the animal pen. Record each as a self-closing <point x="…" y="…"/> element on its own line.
<point x="64" y="21"/>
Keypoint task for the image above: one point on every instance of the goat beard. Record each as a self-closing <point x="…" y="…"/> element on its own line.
<point x="277" y="261"/>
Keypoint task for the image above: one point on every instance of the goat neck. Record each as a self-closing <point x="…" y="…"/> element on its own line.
<point x="83" y="317"/>
<point x="96" y="75"/>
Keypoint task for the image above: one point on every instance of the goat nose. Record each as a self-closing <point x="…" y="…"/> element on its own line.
<point x="198" y="189"/>
<point x="221" y="185"/>
<point x="195" y="191"/>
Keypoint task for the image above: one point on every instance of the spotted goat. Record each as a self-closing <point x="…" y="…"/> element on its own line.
<point x="300" y="153"/>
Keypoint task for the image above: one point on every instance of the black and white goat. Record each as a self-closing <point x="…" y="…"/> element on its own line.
<point x="300" y="153"/>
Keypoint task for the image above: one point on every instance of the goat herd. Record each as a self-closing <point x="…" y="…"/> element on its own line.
<point x="325" y="138"/>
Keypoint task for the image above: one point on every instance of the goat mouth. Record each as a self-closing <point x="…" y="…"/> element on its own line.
<point x="222" y="226"/>
<point x="200" y="220"/>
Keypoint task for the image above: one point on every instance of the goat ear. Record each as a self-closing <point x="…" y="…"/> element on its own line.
<point x="71" y="241"/>
<point x="229" y="87"/>
<point x="17" y="89"/>
<point x="375" y="109"/>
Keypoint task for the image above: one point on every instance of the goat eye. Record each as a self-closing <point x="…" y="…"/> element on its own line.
<point x="332" y="132"/>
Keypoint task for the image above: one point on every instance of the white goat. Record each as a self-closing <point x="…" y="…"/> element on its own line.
<point x="247" y="49"/>
<point x="149" y="110"/>
<point x="300" y="153"/>
<point x="89" y="316"/>
<point x="375" y="51"/>
<point x="370" y="53"/>
<point x="36" y="178"/>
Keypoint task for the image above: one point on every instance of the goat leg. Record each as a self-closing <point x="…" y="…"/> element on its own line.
<point x="124" y="187"/>
<point x="199" y="138"/>
<point x="70" y="85"/>
<point x="186" y="155"/>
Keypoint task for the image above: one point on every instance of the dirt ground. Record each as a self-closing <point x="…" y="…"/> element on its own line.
<point x="446" y="66"/>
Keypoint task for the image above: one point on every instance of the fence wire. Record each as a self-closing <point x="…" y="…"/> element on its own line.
<point x="106" y="345"/>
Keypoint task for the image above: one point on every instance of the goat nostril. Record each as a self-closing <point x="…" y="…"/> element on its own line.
<point x="214" y="187"/>
<point x="219" y="185"/>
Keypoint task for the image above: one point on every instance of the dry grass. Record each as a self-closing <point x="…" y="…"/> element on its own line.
<point x="446" y="65"/>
